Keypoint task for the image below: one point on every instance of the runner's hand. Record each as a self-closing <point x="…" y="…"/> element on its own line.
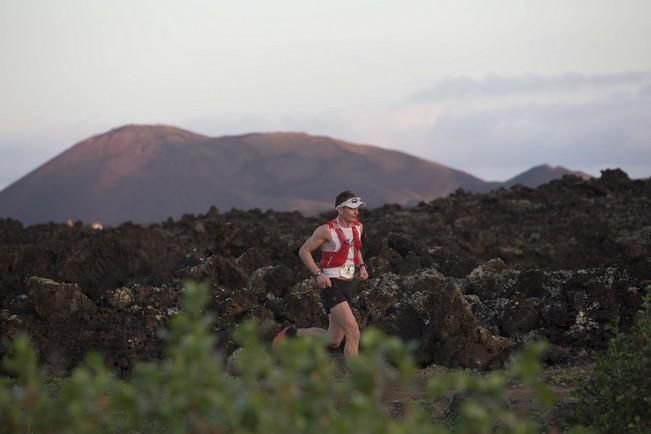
<point x="363" y="274"/>
<point x="323" y="281"/>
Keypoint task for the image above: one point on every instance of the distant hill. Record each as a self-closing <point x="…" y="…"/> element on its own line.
<point x="541" y="175"/>
<point x="148" y="173"/>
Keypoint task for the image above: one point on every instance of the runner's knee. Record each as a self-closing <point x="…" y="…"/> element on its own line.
<point x="352" y="330"/>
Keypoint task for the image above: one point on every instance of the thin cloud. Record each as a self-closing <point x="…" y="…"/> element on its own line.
<point x="508" y="125"/>
<point x="609" y="132"/>
<point x="646" y="90"/>
<point x="493" y="86"/>
<point x="15" y="163"/>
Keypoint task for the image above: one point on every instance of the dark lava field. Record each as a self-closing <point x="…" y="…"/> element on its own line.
<point x="469" y="278"/>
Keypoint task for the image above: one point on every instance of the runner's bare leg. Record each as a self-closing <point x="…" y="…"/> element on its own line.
<point x="333" y="336"/>
<point x="342" y="316"/>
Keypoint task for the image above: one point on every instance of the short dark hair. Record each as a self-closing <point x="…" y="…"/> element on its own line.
<point x="343" y="197"/>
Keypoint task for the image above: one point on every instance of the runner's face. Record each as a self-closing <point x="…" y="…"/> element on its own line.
<point x="348" y="214"/>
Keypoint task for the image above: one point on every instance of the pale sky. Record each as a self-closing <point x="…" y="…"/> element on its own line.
<point x="492" y="87"/>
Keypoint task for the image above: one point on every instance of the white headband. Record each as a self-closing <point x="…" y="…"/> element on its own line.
<point x="353" y="202"/>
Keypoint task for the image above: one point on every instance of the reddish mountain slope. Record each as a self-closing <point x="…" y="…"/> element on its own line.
<point x="148" y="173"/>
<point x="541" y="175"/>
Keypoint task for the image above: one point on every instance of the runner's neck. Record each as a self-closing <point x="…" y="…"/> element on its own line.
<point x="343" y="223"/>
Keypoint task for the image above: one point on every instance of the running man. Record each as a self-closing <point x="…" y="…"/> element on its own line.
<point x="341" y="253"/>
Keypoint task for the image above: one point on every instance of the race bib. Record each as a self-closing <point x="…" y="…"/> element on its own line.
<point x="347" y="271"/>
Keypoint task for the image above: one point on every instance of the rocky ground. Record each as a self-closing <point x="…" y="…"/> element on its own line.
<point x="522" y="399"/>
<point x="468" y="278"/>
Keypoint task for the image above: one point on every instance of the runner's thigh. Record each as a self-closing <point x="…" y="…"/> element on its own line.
<point x="343" y="317"/>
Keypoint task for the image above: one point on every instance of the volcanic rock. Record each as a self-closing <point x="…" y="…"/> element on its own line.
<point x="465" y="278"/>
<point x="272" y="279"/>
<point x="120" y="297"/>
<point x="57" y="301"/>
<point x="301" y="305"/>
<point x="429" y="308"/>
<point x="219" y="271"/>
<point x="520" y="316"/>
<point x="490" y="279"/>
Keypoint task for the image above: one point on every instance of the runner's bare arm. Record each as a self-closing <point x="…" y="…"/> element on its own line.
<point x="358" y="253"/>
<point x="320" y="236"/>
<point x="363" y="272"/>
<point x="360" y="258"/>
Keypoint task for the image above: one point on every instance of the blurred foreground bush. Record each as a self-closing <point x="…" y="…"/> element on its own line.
<point x="618" y="396"/>
<point x="293" y="390"/>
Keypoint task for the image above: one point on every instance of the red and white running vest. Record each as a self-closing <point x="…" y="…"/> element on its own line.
<point x="341" y="262"/>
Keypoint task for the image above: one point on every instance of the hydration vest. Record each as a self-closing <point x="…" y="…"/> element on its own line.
<point x="338" y="258"/>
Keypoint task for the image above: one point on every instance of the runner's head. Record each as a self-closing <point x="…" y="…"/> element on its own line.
<point x="347" y="204"/>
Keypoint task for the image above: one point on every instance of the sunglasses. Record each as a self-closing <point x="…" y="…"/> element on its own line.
<point x="353" y="202"/>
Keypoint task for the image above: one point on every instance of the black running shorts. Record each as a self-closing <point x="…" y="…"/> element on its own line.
<point x="340" y="291"/>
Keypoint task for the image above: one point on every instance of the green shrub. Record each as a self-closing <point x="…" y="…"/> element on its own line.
<point x="294" y="390"/>
<point x="618" y="396"/>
